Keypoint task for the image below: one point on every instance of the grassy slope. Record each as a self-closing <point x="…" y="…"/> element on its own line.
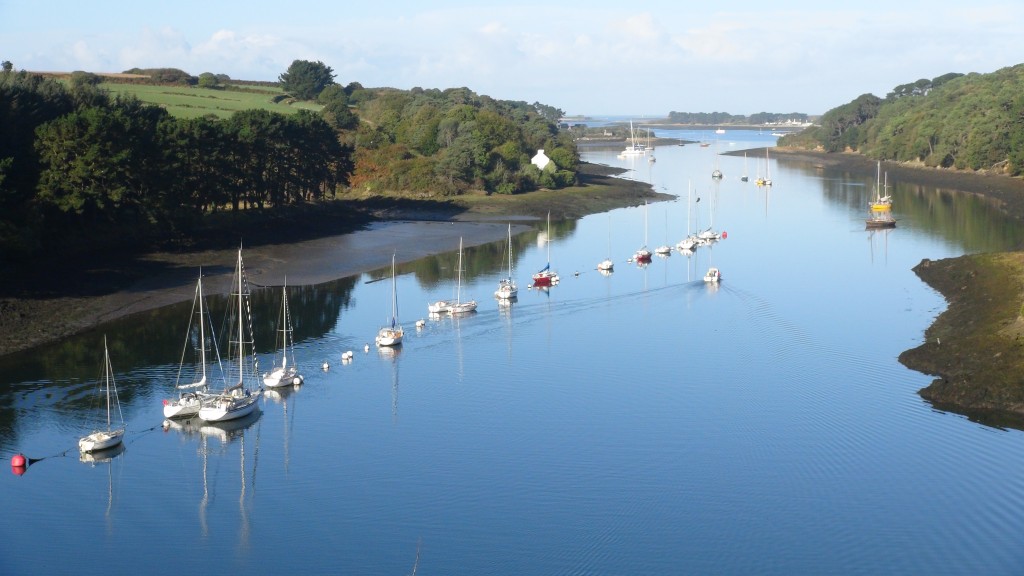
<point x="190" y="102"/>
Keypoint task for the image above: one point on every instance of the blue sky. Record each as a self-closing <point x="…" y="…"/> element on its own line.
<point x="642" y="58"/>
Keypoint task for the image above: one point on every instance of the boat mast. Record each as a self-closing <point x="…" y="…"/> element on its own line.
<point x="458" y="286"/>
<point x="394" y="294"/>
<point x="241" y="353"/>
<point x="106" y="369"/>
<point x="202" y="327"/>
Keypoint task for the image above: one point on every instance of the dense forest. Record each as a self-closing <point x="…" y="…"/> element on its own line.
<point x="968" y="122"/>
<point x="83" y="170"/>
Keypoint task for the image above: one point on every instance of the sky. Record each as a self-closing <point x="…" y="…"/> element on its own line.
<point x="640" y="59"/>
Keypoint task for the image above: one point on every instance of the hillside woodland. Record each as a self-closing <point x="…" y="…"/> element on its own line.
<point x="83" y="170"/>
<point x="966" y="122"/>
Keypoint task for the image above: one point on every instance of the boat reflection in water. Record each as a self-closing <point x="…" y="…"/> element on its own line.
<point x="391" y="355"/>
<point x="227" y="433"/>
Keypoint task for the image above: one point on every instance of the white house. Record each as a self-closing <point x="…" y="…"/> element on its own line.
<point x="540" y="160"/>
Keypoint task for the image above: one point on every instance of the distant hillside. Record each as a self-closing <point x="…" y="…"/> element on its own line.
<point x="968" y="122"/>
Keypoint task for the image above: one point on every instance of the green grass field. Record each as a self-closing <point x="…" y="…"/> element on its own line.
<point x="191" y="102"/>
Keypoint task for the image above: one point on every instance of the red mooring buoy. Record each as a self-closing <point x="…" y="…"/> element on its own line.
<point x="18" y="461"/>
<point x="725" y="235"/>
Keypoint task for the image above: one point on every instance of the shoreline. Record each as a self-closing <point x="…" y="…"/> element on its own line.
<point x="107" y="290"/>
<point x="974" y="348"/>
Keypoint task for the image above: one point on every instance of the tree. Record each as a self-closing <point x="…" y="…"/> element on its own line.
<point x="80" y="79"/>
<point x="305" y="80"/>
<point x="209" y="80"/>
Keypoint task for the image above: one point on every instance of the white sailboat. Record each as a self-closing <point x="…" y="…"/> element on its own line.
<point x="664" y="249"/>
<point x="690" y="242"/>
<point x="546" y="276"/>
<point x="191" y="394"/>
<point x="460" y="307"/>
<point x="109" y="436"/>
<point x="284" y="374"/>
<point x="607" y="265"/>
<point x="439" y="307"/>
<point x="238" y="400"/>
<point x="713" y="276"/>
<point x="633" y="148"/>
<point x="507" y="286"/>
<point x="392" y="334"/>
<point x="643" y="255"/>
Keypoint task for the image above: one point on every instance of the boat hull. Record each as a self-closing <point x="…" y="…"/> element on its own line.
<point x="506" y="292"/>
<point x="390" y="337"/>
<point x="545" y="279"/>
<point x="282" y="377"/>
<point x="101" y="440"/>
<point x="228" y="407"/>
<point x="439" y="307"/>
<point x="185" y="406"/>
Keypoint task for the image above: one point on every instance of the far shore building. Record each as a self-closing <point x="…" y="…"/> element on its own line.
<point x="540" y="160"/>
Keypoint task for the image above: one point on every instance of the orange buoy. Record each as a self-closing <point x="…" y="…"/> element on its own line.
<point x="18" y="461"/>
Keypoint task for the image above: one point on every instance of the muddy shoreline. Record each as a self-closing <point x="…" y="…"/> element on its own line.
<point x="975" y="348"/>
<point x="59" y="298"/>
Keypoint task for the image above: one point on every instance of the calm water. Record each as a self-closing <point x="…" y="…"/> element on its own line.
<point x="642" y="423"/>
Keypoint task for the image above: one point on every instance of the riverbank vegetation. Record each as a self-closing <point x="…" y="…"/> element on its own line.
<point x="85" y="155"/>
<point x="962" y="121"/>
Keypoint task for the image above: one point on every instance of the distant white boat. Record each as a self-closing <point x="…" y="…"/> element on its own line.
<point x="460" y="307"/>
<point x="713" y="275"/>
<point x="109" y="436"/>
<point x="237" y="400"/>
<point x="690" y="242"/>
<point x="643" y="255"/>
<point x="507" y="286"/>
<point x="392" y="334"/>
<point x="191" y="394"/>
<point x="284" y="374"/>
<point x="633" y="148"/>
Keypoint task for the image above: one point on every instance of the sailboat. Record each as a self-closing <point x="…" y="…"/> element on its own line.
<point x="238" y="400"/>
<point x="767" y="180"/>
<point x="633" y="148"/>
<point x="643" y="255"/>
<point x="881" y="203"/>
<point x="713" y="275"/>
<point x="546" y="276"/>
<point x="664" y="249"/>
<point x="191" y="394"/>
<point x="284" y="375"/>
<point x="607" y="265"/>
<point x="716" y="173"/>
<point x="690" y="242"/>
<point x="507" y="286"/>
<point x="744" y="177"/>
<point x="880" y="218"/>
<point x="109" y="436"/>
<point x="460" y="307"/>
<point x="392" y="334"/>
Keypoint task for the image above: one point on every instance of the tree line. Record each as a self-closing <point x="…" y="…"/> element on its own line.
<point x="429" y="143"/>
<point x="716" y="118"/>
<point x="110" y="171"/>
<point x="106" y="170"/>
<point x="968" y="122"/>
